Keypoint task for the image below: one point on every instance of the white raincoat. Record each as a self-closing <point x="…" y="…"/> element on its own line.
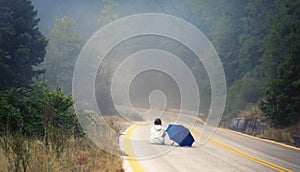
<point x="158" y="134"/>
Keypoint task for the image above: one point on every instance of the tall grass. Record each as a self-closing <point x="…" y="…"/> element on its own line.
<point x="282" y="134"/>
<point x="64" y="153"/>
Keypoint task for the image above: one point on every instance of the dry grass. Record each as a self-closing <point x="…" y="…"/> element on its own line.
<point x="279" y="135"/>
<point x="282" y="135"/>
<point x="253" y="112"/>
<point x="80" y="154"/>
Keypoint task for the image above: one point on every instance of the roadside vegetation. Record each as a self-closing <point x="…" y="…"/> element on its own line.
<point x="285" y="135"/>
<point x="260" y="126"/>
<point x="21" y="153"/>
<point x="257" y="41"/>
<point x="39" y="130"/>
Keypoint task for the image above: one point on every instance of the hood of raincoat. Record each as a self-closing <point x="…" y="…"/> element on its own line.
<point x="158" y="127"/>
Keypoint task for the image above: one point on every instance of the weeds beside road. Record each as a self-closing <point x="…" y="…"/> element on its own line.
<point x="19" y="153"/>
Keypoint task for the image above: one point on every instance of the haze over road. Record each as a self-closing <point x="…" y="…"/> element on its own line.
<point x="225" y="151"/>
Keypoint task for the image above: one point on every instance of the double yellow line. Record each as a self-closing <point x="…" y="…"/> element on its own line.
<point x="135" y="165"/>
<point x="243" y="154"/>
<point x="261" y="139"/>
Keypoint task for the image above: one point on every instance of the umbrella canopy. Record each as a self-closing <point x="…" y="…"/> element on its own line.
<point x="180" y="135"/>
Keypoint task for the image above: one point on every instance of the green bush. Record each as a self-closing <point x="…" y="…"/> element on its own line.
<point x="243" y="92"/>
<point x="32" y="110"/>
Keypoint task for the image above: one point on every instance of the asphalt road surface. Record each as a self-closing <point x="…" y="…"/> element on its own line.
<point x="225" y="151"/>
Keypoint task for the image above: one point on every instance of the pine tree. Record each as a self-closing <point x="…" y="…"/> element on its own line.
<point x="282" y="97"/>
<point x="64" y="46"/>
<point x="22" y="46"/>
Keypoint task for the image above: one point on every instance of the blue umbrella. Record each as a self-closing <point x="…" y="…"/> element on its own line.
<point x="180" y="135"/>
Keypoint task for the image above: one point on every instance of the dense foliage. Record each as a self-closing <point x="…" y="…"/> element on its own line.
<point x="31" y="111"/>
<point x="282" y="96"/>
<point x="258" y="43"/>
<point x="22" y="46"/>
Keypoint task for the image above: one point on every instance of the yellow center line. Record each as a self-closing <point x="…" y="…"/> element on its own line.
<point x="242" y="154"/>
<point x="132" y="161"/>
<point x="247" y="135"/>
<point x="261" y="139"/>
<point x="136" y="166"/>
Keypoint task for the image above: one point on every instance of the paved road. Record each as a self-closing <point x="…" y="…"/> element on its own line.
<point x="224" y="151"/>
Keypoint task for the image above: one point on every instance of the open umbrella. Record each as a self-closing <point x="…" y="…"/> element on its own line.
<point x="180" y="135"/>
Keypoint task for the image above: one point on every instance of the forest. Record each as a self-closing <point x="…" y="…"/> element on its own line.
<point x="258" y="42"/>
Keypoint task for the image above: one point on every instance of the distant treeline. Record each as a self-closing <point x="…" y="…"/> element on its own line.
<point x="258" y="42"/>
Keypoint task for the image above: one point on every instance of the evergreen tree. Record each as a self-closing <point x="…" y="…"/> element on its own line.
<point x="22" y="46"/>
<point x="281" y="62"/>
<point x="258" y="43"/>
<point x="256" y="25"/>
<point x="64" y="46"/>
<point x="107" y="14"/>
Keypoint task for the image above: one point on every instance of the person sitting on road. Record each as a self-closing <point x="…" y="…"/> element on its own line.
<point x="158" y="133"/>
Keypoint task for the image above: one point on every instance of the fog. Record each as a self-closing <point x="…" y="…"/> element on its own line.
<point x="232" y="63"/>
<point x="86" y="14"/>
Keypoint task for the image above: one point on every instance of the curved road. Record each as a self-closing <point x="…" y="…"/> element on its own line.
<point x="225" y="151"/>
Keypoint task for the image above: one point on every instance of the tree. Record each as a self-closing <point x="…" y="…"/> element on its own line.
<point x="258" y="43"/>
<point x="59" y="119"/>
<point x="256" y="26"/>
<point x="64" y="46"/>
<point x="242" y="93"/>
<point x="224" y="18"/>
<point x="22" y="46"/>
<point x="103" y="80"/>
<point x="281" y="60"/>
<point x="107" y="14"/>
